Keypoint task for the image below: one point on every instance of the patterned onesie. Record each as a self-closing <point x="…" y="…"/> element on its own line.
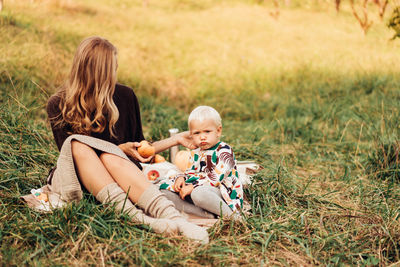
<point x="216" y="167"/>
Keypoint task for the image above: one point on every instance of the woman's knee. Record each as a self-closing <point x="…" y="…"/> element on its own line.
<point x="80" y="150"/>
<point x="111" y="161"/>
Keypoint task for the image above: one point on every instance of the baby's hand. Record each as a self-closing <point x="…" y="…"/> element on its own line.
<point x="179" y="183"/>
<point x="186" y="190"/>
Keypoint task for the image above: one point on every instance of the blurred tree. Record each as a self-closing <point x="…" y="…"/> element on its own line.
<point x="361" y="9"/>
<point x="382" y="4"/>
<point x="337" y="5"/>
<point x="275" y="13"/>
<point x="364" y="21"/>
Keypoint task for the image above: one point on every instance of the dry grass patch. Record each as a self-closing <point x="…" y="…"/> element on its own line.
<point x="283" y="150"/>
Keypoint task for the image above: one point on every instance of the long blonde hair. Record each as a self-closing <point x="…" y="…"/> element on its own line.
<point x="87" y="96"/>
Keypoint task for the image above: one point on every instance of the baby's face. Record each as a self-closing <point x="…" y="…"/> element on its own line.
<point x="205" y="134"/>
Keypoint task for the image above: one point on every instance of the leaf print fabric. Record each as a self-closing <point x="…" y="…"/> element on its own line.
<point x="215" y="167"/>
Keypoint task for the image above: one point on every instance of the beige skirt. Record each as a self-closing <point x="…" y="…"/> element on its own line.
<point x="63" y="185"/>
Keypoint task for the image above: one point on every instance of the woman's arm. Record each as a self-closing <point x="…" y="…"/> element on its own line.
<point x="130" y="148"/>
<point x="183" y="139"/>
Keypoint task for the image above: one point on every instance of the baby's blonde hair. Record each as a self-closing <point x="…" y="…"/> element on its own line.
<point x="202" y="113"/>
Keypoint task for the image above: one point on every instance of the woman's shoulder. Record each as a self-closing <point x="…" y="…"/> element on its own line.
<point x="124" y="92"/>
<point x="53" y="104"/>
<point x="54" y="99"/>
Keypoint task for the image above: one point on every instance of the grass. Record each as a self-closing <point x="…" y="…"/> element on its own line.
<point x="307" y="96"/>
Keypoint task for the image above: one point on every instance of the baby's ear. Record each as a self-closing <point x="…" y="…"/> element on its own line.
<point x="219" y="130"/>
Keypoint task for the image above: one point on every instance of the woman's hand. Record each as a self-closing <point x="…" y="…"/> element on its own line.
<point x="130" y="149"/>
<point x="182" y="138"/>
<point x="185" y="140"/>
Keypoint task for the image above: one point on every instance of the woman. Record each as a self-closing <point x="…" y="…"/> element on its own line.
<point x="96" y="125"/>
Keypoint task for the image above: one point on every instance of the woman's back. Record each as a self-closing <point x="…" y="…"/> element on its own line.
<point x="128" y="127"/>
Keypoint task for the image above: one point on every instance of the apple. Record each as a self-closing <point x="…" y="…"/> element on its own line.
<point x="153" y="175"/>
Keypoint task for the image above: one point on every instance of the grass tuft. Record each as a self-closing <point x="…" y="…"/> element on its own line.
<point x="384" y="162"/>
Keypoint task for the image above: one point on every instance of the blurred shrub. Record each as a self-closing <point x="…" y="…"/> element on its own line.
<point x="394" y="22"/>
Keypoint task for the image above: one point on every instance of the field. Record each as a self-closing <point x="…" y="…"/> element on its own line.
<point x="306" y="95"/>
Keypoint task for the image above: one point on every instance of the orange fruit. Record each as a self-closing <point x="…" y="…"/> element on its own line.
<point x="146" y="150"/>
<point x="182" y="160"/>
<point x="158" y="159"/>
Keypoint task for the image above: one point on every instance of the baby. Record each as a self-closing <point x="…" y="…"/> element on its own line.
<point x="211" y="180"/>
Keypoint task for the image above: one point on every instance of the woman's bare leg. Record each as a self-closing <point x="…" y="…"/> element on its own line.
<point x="148" y="196"/>
<point x="127" y="175"/>
<point x="91" y="171"/>
<point x="98" y="181"/>
<point x="95" y="173"/>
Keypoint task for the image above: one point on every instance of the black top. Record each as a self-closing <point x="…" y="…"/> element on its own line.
<point x="128" y="127"/>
